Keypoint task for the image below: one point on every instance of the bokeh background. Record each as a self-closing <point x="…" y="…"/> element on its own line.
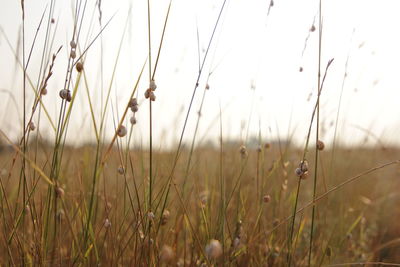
<point x="252" y="68"/>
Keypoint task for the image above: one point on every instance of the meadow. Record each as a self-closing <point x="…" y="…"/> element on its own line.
<point x="114" y="201"/>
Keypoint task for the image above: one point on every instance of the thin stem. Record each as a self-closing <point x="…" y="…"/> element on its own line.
<point x="317" y="134"/>
<point x="150" y="135"/>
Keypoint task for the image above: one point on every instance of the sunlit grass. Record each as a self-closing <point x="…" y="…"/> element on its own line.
<point x="243" y="202"/>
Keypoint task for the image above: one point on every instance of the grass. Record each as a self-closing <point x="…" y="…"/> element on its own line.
<point x="238" y="203"/>
<point x="360" y="235"/>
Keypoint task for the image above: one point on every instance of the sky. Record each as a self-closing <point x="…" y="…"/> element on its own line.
<point x="252" y="68"/>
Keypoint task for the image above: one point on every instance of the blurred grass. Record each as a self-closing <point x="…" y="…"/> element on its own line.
<point x="110" y="203"/>
<point x="356" y="223"/>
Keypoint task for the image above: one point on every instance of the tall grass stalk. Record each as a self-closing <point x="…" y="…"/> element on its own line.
<point x="178" y="150"/>
<point x="305" y="152"/>
<point x="24" y="145"/>
<point x="316" y="132"/>
<point x="150" y="207"/>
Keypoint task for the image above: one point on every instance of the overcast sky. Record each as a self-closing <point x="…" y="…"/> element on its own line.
<point x="254" y="60"/>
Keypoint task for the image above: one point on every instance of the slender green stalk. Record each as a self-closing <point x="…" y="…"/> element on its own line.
<point x="24" y="146"/>
<point x="316" y="134"/>
<point x="304" y="159"/>
<point x="150" y="136"/>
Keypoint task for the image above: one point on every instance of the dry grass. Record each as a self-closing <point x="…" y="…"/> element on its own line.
<point x="114" y="202"/>
<point x="355" y="223"/>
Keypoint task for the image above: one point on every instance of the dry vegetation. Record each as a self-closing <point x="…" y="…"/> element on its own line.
<point x="112" y="203"/>
<point x="246" y="202"/>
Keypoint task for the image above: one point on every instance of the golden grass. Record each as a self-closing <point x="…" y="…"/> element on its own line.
<point x="355" y="223"/>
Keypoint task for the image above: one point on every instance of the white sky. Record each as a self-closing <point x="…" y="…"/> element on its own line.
<point x="249" y="48"/>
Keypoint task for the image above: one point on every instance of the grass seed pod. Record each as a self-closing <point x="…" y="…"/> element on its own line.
<point x="152" y="96"/>
<point x="69" y="96"/>
<point x="135" y="108"/>
<point x="121" y="170"/>
<point x="79" y="67"/>
<point x="153" y="85"/>
<point x="73" y="54"/>
<point x="59" y="192"/>
<point x="132" y="102"/>
<point x="63" y="94"/>
<point x="133" y="120"/>
<point x="167" y="254"/>
<point x="147" y="93"/>
<point x="107" y="223"/>
<point x="320" y="145"/>
<point x="121" y="132"/>
<point x="72" y="44"/>
<point x="32" y="126"/>
<point x="213" y="249"/>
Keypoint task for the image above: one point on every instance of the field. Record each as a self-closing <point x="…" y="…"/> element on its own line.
<point x="245" y="202"/>
<point x="119" y="199"/>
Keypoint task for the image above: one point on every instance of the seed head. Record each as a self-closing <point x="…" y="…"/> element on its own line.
<point x="167" y="254"/>
<point x="214" y="249"/>
<point x="303" y="166"/>
<point x="59" y="192"/>
<point x="79" y="66"/>
<point x="152" y="96"/>
<point x="72" y="54"/>
<point x="132" y="102"/>
<point x="298" y="172"/>
<point x="301" y="69"/>
<point x="52" y="20"/>
<point x="267" y="198"/>
<point x="43" y="91"/>
<point x="133" y="120"/>
<point x="107" y="223"/>
<point x="207" y="86"/>
<point x="72" y="44"/>
<point x="63" y="93"/>
<point x="320" y="145"/>
<point x="150" y="215"/>
<point x="121" y="170"/>
<point x="121" y="132"/>
<point x="165" y="216"/>
<point x="259" y="149"/>
<point x="147" y="93"/>
<point x="135" y="108"/>
<point x="204" y="197"/>
<point x="243" y="151"/>
<point x="312" y="29"/>
<point x="69" y="96"/>
<point x="303" y="174"/>
<point x="236" y="242"/>
<point x="153" y="85"/>
<point x="32" y="126"/>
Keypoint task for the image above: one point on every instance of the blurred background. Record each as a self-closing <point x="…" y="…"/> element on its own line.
<point x="261" y="68"/>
